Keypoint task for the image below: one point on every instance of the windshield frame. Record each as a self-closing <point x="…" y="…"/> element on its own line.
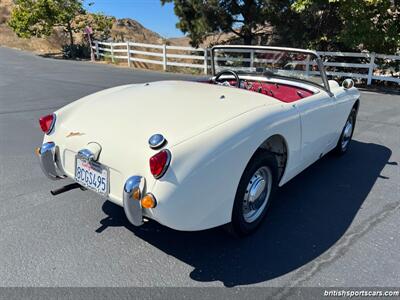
<point x="320" y="64"/>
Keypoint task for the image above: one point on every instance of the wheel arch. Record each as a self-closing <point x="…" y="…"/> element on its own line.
<point x="277" y="145"/>
<point x="357" y="104"/>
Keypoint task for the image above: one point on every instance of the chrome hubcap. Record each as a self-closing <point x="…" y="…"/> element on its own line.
<point x="257" y="193"/>
<point x="348" y="130"/>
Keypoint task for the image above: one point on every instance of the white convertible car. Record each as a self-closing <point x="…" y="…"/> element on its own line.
<point x="196" y="155"/>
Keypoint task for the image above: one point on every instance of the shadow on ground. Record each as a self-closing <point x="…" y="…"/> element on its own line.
<point x="387" y="90"/>
<point x="311" y="213"/>
<point x="60" y="56"/>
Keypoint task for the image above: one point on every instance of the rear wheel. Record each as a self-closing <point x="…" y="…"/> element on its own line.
<point x="256" y="189"/>
<point x="347" y="133"/>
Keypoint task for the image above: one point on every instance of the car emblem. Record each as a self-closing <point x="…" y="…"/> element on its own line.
<point x="74" y="134"/>
<point x="157" y="141"/>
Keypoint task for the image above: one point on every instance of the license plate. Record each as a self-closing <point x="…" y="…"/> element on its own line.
<point x="91" y="175"/>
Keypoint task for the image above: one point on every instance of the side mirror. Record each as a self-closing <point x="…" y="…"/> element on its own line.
<point x="347" y="84"/>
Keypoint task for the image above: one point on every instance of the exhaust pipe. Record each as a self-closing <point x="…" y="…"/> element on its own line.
<point x="67" y="188"/>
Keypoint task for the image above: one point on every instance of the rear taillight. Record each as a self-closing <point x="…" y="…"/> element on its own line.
<point x="47" y="123"/>
<point x="159" y="163"/>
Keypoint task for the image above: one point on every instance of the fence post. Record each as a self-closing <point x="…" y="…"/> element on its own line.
<point x="128" y="53"/>
<point x="252" y="59"/>
<point x="206" y="61"/>
<point x="371" y="68"/>
<point x="112" y="52"/>
<point x="165" y="57"/>
<point x="308" y="65"/>
<point x="97" y="49"/>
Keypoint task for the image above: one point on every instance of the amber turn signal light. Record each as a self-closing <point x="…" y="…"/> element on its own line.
<point x="37" y="151"/>
<point x="136" y="194"/>
<point x="148" y="201"/>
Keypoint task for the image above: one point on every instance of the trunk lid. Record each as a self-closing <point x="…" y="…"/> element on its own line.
<point x="177" y="109"/>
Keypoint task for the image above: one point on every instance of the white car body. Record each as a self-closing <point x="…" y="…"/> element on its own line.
<point x="212" y="132"/>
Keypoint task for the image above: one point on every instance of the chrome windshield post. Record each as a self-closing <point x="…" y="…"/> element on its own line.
<point x="324" y="77"/>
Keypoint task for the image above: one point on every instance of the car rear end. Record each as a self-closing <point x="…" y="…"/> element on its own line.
<point x="103" y="163"/>
<point x="109" y="142"/>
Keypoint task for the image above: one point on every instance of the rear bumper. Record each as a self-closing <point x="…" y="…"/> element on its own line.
<point x="132" y="207"/>
<point x="49" y="159"/>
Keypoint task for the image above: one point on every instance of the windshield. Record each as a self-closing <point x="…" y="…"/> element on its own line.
<point x="290" y="64"/>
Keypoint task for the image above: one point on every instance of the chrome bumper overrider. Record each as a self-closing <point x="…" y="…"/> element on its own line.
<point x="132" y="207"/>
<point x="52" y="168"/>
<point x="48" y="161"/>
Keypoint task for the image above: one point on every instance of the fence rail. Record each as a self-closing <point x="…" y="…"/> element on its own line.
<point x="365" y="67"/>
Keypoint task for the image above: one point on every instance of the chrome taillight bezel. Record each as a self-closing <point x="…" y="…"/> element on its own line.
<point x="166" y="165"/>
<point x="52" y="124"/>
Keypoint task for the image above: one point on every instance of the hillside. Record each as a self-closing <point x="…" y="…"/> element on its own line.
<point x="131" y="30"/>
<point x="122" y="30"/>
<point x="213" y="39"/>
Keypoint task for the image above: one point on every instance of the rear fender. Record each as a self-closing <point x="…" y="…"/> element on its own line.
<point x="199" y="188"/>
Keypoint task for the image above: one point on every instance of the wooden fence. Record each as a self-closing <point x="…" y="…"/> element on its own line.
<point x="364" y="65"/>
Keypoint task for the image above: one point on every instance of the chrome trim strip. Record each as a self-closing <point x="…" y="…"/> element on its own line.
<point x="48" y="162"/>
<point x="132" y="208"/>
<point x="53" y="124"/>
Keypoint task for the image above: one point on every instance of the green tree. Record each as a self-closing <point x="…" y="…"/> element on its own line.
<point x="308" y="23"/>
<point x="372" y="25"/>
<point x="39" y="17"/>
<point x="101" y="24"/>
<point x="199" y="18"/>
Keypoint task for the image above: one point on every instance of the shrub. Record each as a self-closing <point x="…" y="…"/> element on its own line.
<point x="76" y="51"/>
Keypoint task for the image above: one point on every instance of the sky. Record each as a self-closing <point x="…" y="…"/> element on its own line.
<point x="150" y="13"/>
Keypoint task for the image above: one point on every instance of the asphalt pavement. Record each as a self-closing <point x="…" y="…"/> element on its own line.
<point x="336" y="224"/>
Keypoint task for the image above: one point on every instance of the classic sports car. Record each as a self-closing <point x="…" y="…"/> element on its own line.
<point x="196" y="155"/>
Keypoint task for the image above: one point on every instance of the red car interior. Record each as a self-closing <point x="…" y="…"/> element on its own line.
<point x="283" y="92"/>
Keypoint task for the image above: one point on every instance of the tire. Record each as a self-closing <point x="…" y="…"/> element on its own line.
<point x="347" y="133"/>
<point x="260" y="177"/>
